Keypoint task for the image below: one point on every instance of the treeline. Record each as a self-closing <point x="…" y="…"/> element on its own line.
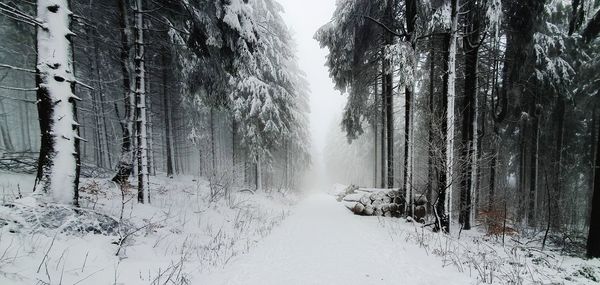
<point x="487" y="108"/>
<point x="137" y="87"/>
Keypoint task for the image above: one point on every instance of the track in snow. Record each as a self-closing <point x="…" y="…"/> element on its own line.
<point x="324" y="243"/>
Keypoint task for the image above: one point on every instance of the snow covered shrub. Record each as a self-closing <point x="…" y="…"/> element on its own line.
<point x="220" y="185"/>
<point x="30" y="215"/>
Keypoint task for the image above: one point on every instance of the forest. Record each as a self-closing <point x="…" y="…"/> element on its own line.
<point x="165" y="86"/>
<point x="173" y="142"/>
<point x="486" y="108"/>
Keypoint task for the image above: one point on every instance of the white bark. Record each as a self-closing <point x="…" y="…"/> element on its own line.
<point x="58" y="175"/>
<point x="450" y="111"/>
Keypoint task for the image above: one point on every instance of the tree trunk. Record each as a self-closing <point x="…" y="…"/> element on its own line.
<point x="4" y="133"/>
<point x="592" y="149"/>
<point x="383" y="126"/>
<point x="471" y="45"/>
<point x="125" y="164"/>
<point x="106" y="154"/>
<point x="411" y="14"/>
<point x="212" y="142"/>
<point x="59" y="161"/>
<point x="141" y="116"/>
<point x="168" y="115"/>
<point x="593" y="246"/>
<point x="555" y="200"/>
<point x="389" y="98"/>
<point x="258" y="173"/>
<point x="444" y="202"/>
<point x="533" y="174"/>
<point x="430" y="130"/>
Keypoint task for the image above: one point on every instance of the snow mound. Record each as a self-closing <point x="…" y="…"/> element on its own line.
<point x="29" y="215"/>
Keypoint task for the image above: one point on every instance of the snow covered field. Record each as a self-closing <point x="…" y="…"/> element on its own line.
<point x="185" y="238"/>
<point x="180" y="235"/>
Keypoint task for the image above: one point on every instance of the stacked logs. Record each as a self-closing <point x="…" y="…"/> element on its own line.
<point x="381" y="202"/>
<point x="375" y="202"/>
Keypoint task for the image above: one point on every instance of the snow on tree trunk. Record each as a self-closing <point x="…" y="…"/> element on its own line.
<point x="140" y="92"/>
<point x="450" y="110"/>
<point x="125" y="165"/>
<point x="411" y="15"/>
<point x="58" y="166"/>
<point x="475" y="161"/>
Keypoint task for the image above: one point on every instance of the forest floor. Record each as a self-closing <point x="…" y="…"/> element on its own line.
<point x="187" y="236"/>
<point x="184" y="233"/>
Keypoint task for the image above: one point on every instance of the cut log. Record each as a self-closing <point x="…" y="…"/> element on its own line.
<point x="387" y="199"/>
<point x="377" y="204"/>
<point x="358" y="209"/>
<point x="349" y="205"/>
<point x="369" y="210"/>
<point x="365" y="200"/>
<point x="385" y="207"/>
<point x="355" y="197"/>
<point x="375" y="190"/>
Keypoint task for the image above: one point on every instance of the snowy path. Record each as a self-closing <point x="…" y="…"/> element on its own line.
<point x="323" y="243"/>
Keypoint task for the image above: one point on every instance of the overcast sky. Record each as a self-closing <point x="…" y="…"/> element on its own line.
<point x="304" y="17"/>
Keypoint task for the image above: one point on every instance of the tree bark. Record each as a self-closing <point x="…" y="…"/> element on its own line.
<point x="212" y="142"/>
<point x="443" y="206"/>
<point x="258" y="173"/>
<point x="383" y="126"/>
<point x="411" y="15"/>
<point x="4" y="133"/>
<point x="556" y="214"/>
<point x="168" y="115"/>
<point x="593" y="246"/>
<point x="140" y="94"/>
<point x="125" y="164"/>
<point x="431" y="121"/>
<point x="59" y="161"/>
<point x="389" y="98"/>
<point x="471" y="46"/>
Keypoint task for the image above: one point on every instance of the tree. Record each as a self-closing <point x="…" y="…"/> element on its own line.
<point x="593" y="247"/>
<point x="471" y="43"/>
<point x="125" y="164"/>
<point x="443" y="204"/>
<point x="59" y="161"/>
<point x="140" y="104"/>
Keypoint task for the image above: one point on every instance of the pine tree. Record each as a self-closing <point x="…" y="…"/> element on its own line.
<point x="59" y="162"/>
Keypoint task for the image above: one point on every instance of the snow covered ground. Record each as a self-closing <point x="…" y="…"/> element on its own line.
<point x="185" y="237"/>
<point x="324" y="243"/>
<point x="181" y="234"/>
